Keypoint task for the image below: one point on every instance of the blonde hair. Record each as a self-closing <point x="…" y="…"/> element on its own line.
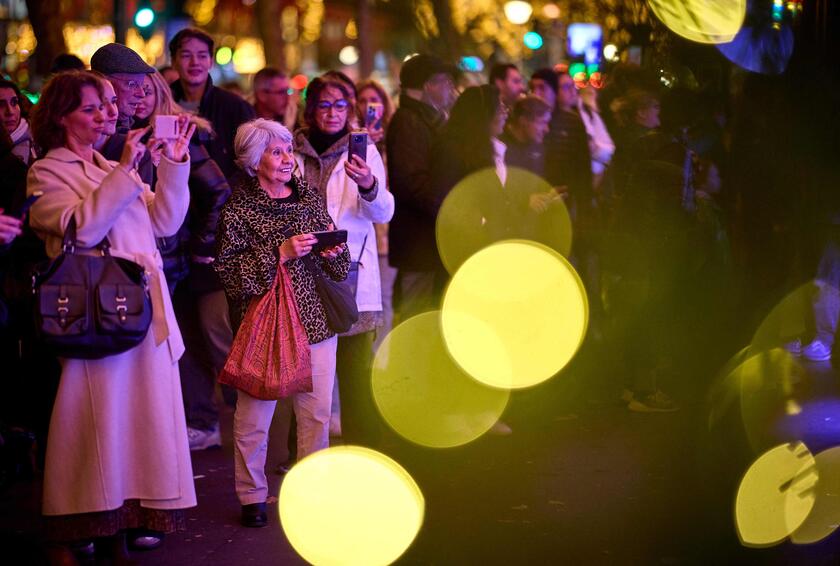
<point x="165" y="104"/>
<point x="252" y="139"/>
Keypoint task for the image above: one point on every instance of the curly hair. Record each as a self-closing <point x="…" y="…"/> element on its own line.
<point x="61" y="95"/>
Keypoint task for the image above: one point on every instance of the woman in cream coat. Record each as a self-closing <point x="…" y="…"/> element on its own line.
<point x="117" y="454"/>
<point x="356" y="196"/>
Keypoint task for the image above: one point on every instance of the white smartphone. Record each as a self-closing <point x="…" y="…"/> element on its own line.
<point x="166" y="127"/>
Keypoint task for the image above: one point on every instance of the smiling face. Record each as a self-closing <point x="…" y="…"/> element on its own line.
<point x="129" y="89"/>
<point x="542" y="90"/>
<point x="86" y="123"/>
<point x="535" y="129"/>
<point x="276" y="164"/>
<point x="193" y="61"/>
<point x="331" y="111"/>
<point x="9" y="109"/>
<point x="149" y="100"/>
<point x="112" y="112"/>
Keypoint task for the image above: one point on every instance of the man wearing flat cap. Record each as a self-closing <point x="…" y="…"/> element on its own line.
<point x="426" y="96"/>
<point x="125" y="69"/>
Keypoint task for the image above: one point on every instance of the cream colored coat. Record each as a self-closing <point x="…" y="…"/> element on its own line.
<point x="118" y="430"/>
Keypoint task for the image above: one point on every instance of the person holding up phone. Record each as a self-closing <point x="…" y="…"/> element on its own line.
<point x="374" y="108"/>
<point x="349" y="173"/>
<point x="96" y="482"/>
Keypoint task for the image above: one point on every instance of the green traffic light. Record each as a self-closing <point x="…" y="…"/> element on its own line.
<point x="144" y="17"/>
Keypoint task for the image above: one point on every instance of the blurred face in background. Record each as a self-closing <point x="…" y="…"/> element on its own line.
<point x="274" y="95"/>
<point x="9" y="109"/>
<point x="193" y="61"/>
<point x="648" y="115"/>
<point x="331" y="111"/>
<point x="439" y="91"/>
<point x="534" y="129"/>
<point x="147" y="104"/>
<point x="111" y="107"/>
<point x="544" y="92"/>
<point x="497" y="126"/>
<point x="512" y="88"/>
<point x="367" y="97"/>
<point x="567" y="97"/>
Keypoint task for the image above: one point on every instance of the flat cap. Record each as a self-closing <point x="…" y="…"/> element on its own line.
<point x="117" y="58"/>
<point x="420" y="68"/>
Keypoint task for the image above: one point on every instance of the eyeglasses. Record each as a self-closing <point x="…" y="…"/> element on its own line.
<point x="132" y="85"/>
<point x="339" y="105"/>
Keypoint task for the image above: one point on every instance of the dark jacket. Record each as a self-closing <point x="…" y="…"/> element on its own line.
<point x="409" y="145"/>
<point x="209" y="190"/>
<point x="568" y="160"/>
<point x="527" y="156"/>
<point x="112" y="151"/>
<point x="226" y="112"/>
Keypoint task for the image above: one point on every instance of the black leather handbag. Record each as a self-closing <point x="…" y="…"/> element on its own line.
<point x="338" y="300"/>
<point x="90" y="306"/>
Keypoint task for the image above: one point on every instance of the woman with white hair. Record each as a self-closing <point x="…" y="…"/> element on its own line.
<point x="270" y="218"/>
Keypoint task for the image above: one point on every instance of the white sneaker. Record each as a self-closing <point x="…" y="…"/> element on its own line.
<point x="204" y="439"/>
<point x="816" y="351"/>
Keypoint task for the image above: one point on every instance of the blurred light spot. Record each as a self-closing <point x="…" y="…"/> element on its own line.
<point x="299" y="82"/>
<point x="514" y="314"/>
<point x="423" y="394"/>
<point x="703" y="21"/>
<point x="551" y="11"/>
<point x="471" y="64"/>
<point x="224" y="55"/>
<point x="776" y="495"/>
<point x="348" y="55"/>
<point x="825" y="516"/>
<point x="478" y="211"/>
<point x="350" y="505"/>
<point x="611" y="52"/>
<point x="792" y="408"/>
<point x="517" y="11"/>
<point x="248" y="57"/>
<point x="726" y="388"/>
<point x="533" y="40"/>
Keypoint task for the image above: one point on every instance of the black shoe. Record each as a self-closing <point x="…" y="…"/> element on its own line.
<point x="253" y="515"/>
<point x="144" y="539"/>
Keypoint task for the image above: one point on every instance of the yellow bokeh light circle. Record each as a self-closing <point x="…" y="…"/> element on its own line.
<point x="703" y="21"/>
<point x="350" y="505"/>
<point x="514" y="314"/>
<point x="775" y="495"/>
<point x="479" y="211"/>
<point x="825" y="516"/>
<point x="422" y="393"/>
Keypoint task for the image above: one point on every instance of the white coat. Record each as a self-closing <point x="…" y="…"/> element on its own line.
<point x="118" y="430"/>
<point x="356" y="215"/>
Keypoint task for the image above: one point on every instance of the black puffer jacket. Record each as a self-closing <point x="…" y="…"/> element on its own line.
<point x="226" y="112"/>
<point x="209" y="190"/>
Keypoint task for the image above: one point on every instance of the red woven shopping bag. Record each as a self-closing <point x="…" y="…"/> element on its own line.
<point x="270" y="356"/>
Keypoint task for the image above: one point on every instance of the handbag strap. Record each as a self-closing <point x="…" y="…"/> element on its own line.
<point x="68" y="244"/>
<point x="361" y="253"/>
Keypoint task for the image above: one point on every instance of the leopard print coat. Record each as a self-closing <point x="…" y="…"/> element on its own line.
<point x="251" y="229"/>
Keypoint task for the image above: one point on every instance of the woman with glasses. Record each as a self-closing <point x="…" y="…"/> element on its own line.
<point x="356" y="196"/>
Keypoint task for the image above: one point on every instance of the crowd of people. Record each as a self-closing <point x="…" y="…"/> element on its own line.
<point x="217" y="213"/>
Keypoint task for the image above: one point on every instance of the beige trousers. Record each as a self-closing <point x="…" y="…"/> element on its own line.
<point x="253" y="419"/>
